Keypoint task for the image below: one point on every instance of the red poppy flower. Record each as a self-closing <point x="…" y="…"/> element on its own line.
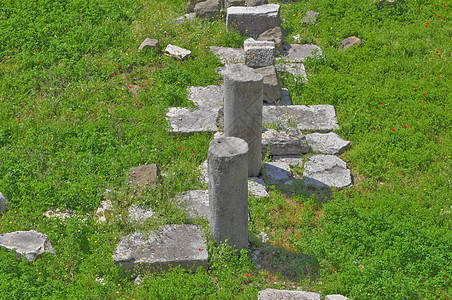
<point x="445" y="277"/>
<point x="414" y="89"/>
<point x="425" y="94"/>
<point x="426" y="24"/>
<point x="417" y="8"/>
<point x="247" y="275"/>
<point x="130" y="86"/>
<point x="180" y="148"/>
<point x="200" y="249"/>
<point x="36" y="50"/>
<point x="393" y="129"/>
<point x="442" y="18"/>
<point x="112" y="75"/>
<point x="444" y="4"/>
<point x="440" y="76"/>
<point x="405" y="126"/>
<point x="4" y="57"/>
<point x="382" y="104"/>
<point x="194" y="152"/>
<point x="437" y="52"/>
<point x="104" y="20"/>
<point x="79" y="93"/>
<point x="19" y="119"/>
<point x="423" y="101"/>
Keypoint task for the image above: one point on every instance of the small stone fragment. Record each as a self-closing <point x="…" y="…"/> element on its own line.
<point x="144" y="175"/>
<point x="310" y="17"/>
<point x="149" y="44"/>
<point x="3" y="203"/>
<point x="273" y="35"/>
<point x="61" y="214"/>
<point x="335" y="297"/>
<point x="177" y="52"/>
<point x="350" y="42"/>
<point x="257" y="187"/>
<point x="327" y="143"/>
<point x="289" y="141"/>
<point x="326" y="171"/>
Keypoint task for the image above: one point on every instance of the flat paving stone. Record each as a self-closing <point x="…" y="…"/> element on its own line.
<point x="327" y="143"/>
<point x="313" y="118"/>
<point x="256" y="186"/>
<point x="195" y="202"/>
<point x="296" y="69"/>
<point x="277" y="173"/>
<point x="30" y="244"/>
<point x="273" y="294"/>
<point x="229" y="55"/>
<point x="206" y="95"/>
<point x="326" y="171"/>
<point x="169" y="245"/>
<point x="185" y="121"/>
<point x="299" y="53"/>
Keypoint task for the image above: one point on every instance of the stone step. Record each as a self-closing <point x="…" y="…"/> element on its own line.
<point x="168" y="246"/>
<point x="29" y="244"/>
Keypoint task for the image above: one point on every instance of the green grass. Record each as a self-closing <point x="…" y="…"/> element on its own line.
<point x="70" y="127"/>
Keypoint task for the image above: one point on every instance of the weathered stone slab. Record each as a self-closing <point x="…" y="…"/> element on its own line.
<point x="177" y="52"/>
<point x="185" y="18"/>
<point x="206" y="95"/>
<point x="299" y="53"/>
<point x="325" y="171"/>
<point x="291" y="160"/>
<point x="310" y="17"/>
<point x="257" y="187"/>
<point x="296" y="69"/>
<point x="277" y="173"/>
<point x="192" y="3"/>
<point x="335" y="297"/>
<point x="272" y="294"/>
<point x="350" y="42"/>
<point x="272" y="87"/>
<point x="252" y="21"/>
<point x="195" y="202"/>
<point x="144" y="175"/>
<point x="289" y="141"/>
<point x="255" y="2"/>
<point x="185" y="121"/>
<point x="316" y="117"/>
<point x="327" y="143"/>
<point x="229" y="55"/>
<point x="3" y="203"/>
<point x="169" y="245"/>
<point x="208" y="10"/>
<point x="139" y="214"/>
<point x="274" y="35"/>
<point x="259" y="53"/>
<point x="31" y="244"/>
<point x="149" y="44"/>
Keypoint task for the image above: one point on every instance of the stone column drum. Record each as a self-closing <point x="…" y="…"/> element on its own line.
<point x="227" y="169"/>
<point x="243" y="101"/>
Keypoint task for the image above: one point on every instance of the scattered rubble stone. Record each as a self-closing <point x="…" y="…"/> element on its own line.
<point x="177" y="52"/>
<point x="296" y="69"/>
<point x="299" y="53"/>
<point x="104" y="209"/>
<point x="192" y="3"/>
<point x="350" y="42"/>
<point x="31" y="244"/>
<point x="273" y="294"/>
<point x="61" y="214"/>
<point x="185" y="18"/>
<point x="310" y="17"/>
<point x="139" y="214"/>
<point x="208" y="10"/>
<point x="257" y="187"/>
<point x="3" y="203"/>
<point x="274" y="34"/>
<point x="326" y="171"/>
<point x="327" y="143"/>
<point x="149" y="44"/>
<point x="144" y="175"/>
<point x="335" y="297"/>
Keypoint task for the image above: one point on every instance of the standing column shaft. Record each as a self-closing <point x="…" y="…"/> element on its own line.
<point x="227" y="169"/>
<point x="243" y="100"/>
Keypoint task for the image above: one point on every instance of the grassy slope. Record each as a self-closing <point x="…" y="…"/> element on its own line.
<point x="81" y="128"/>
